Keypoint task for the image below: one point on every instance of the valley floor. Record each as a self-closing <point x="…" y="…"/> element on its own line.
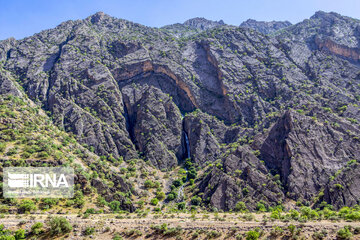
<point x="183" y="226"/>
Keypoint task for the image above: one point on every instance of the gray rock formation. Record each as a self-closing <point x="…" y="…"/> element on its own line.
<point x="191" y="27"/>
<point x="265" y="27"/>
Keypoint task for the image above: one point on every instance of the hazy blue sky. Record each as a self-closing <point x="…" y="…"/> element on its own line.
<point x="23" y="18"/>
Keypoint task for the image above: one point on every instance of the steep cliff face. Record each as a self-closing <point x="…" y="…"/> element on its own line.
<point x="259" y="104"/>
<point x="154" y="124"/>
<point x="306" y="167"/>
<point x="338" y="49"/>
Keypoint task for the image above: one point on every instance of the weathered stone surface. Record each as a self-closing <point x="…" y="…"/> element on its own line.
<point x="7" y="86"/>
<point x="344" y="189"/>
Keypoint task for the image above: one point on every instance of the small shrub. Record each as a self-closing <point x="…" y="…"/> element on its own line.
<point x="117" y="237"/>
<point x="195" y="200"/>
<point x="160" y="195"/>
<point x="344" y="233"/>
<point x="181" y="206"/>
<point x="213" y="234"/>
<point x="171" y="196"/>
<point x="320" y="235"/>
<point x="195" y="235"/>
<point x="19" y="234"/>
<point x="149" y="184"/>
<point x="252" y="235"/>
<point x="260" y="207"/>
<point x="171" y="232"/>
<point x="114" y="206"/>
<point x="249" y="217"/>
<point x="177" y="183"/>
<point x="88" y="231"/>
<point x="239" y="237"/>
<point x="292" y="229"/>
<point x="37" y="228"/>
<point x="59" y="225"/>
<point x="2" y="147"/>
<point x="27" y="206"/>
<point x="154" y="201"/>
<point x="276" y="231"/>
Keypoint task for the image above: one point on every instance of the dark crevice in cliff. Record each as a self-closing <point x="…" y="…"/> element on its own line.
<point x="130" y="122"/>
<point x="8" y="53"/>
<point x="185" y="143"/>
<point x="275" y="151"/>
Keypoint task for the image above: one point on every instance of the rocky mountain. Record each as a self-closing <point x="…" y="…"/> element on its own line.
<point x="249" y="117"/>
<point x="265" y="27"/>
<point x="203" y="24"/>
<point x="192" y="26"/>
<point x="330" y="32"/>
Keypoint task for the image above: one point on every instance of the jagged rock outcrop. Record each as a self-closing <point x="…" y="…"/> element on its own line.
<point x="192" y="26"/>
<point x="265" y="27"/>
<point x="7" y="86"/>
<point x="112" y="194"/>
<point x="202" y="23"/>
<point x="5" y="48"/>
<point x="155" y="125"/>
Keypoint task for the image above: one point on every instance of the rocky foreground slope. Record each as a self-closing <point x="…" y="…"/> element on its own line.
<point x="266" y="119"/>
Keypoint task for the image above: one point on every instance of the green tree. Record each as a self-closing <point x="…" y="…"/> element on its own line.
<point x="240" y="207"/>
<point x="114" y="205"/>
<point x="181" y="206"/>
<point x="177" y="183"/>
<point x="171" y="196"/>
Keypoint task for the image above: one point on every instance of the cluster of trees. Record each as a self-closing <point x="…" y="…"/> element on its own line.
<point x="56" y="226"/>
